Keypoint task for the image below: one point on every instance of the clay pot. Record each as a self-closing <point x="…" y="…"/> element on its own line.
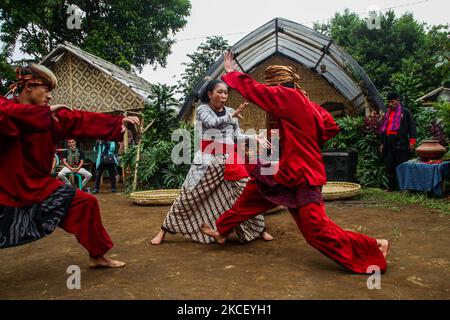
<point x="430" y="150"/>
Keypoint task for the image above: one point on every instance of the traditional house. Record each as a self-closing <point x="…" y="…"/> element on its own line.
<point x="331" y="76"/>
<point x="90" y="83"/>
<point x="87" y="82"/>
<point x="440" y="93"/>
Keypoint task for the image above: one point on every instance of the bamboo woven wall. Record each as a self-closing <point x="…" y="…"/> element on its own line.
<point x="318" y="89"/>
<point x="84" y="87"/>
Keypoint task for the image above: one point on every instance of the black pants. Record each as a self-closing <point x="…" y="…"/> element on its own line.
<point x="393" y="156"/>
<point x="112" y="175"/>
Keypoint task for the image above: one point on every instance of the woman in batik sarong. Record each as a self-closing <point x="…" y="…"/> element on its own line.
<point x="215" y="180"/>
<point x="304" y="126"/>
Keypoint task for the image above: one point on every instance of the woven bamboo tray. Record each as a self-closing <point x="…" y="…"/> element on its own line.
<point x="276" y="210"/>
<point x="161" y="197"/>
<point x="164" y="197"/>
<point x="334" y="190"/>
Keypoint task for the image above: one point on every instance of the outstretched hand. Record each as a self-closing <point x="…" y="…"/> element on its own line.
<point x="132" y="120"/>
<point x="263" y="141"/>
<point x="54" y="108"/>
<point x="238" y="111"/>
<point x="228" y="61"/>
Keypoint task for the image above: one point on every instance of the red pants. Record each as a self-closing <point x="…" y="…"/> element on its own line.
<point x="352" y="250"/>
<point x="84" y="221"/>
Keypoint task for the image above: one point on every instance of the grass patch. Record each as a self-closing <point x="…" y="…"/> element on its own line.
<point x="393" y="200"/>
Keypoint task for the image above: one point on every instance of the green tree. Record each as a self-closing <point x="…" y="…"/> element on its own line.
<point x="439" y="42"/>
<point x="7" y="74"/>
<point x="402" y="45"/>
<point x="443" y="110"/>
<point x="162" y="107"/>
<point x="128" y="33"/>
<point x="408" y="86"/>
<point x="200" y="61"/>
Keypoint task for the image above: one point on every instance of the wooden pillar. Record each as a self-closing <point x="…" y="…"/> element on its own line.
<point x="125" y="147"/>
<point x="138" y="155"/>
<point x="70" y="80"/>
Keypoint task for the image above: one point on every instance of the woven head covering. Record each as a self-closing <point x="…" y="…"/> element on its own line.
<point x="33" y="74"/>
<point x="282" y="74"/>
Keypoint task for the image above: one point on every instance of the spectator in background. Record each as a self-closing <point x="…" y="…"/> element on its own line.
<point x="106" y="159"/>
<point x="73" y="161"/>
<point x="398" y="137"/>
<point x="120" y="153"/>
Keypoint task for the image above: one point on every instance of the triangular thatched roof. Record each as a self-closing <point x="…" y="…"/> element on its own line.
<point x="134" y="82"/>
<point x="306" y="47"/>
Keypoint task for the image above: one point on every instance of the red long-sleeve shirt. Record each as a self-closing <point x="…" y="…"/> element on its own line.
<point x="28" y="136"/>
<point x="389" y="131"/>
<point x="304" y="126"/>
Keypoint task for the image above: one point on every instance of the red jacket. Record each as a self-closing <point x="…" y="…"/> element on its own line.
<point x="28" y="138"/>
<point x="304" y="127"/>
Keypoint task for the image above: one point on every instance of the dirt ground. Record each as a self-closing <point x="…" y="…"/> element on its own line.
<point x="286" y="268"/>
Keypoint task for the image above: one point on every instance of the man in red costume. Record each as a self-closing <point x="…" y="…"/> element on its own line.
<point x="304" y="127"/>
<point x="32" y="203"/>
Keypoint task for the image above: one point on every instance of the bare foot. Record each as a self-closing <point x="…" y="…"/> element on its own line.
<point x="215" y="234"/>
<point x="383" y="245"/>
<point x="159" y="238"/>
<point x="266" y="236"/>
<point x="102" y="262"/>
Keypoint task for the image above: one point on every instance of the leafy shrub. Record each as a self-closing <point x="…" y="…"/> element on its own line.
<point x="361" y="134"/>
<point x="407" y="85"/>
<point x="431" y="123"/>
<point x="443" y="111"/>
<point x="156" y="169"/>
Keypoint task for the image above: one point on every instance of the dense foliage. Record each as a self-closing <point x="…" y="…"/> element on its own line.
<point x="199" y="63"/>
<point x="361" y="134"/>
<point x="130" y="33"/>
<point x="405" y="56"/>
<point x="403" y="50"/>
<point x="156" y="169"/>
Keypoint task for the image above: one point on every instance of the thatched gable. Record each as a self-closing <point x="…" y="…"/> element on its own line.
<point x="90" y="83"/>
<point x="331" y="76"/>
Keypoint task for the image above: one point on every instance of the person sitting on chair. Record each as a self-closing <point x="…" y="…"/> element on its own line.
<point x="73" y="163"/>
